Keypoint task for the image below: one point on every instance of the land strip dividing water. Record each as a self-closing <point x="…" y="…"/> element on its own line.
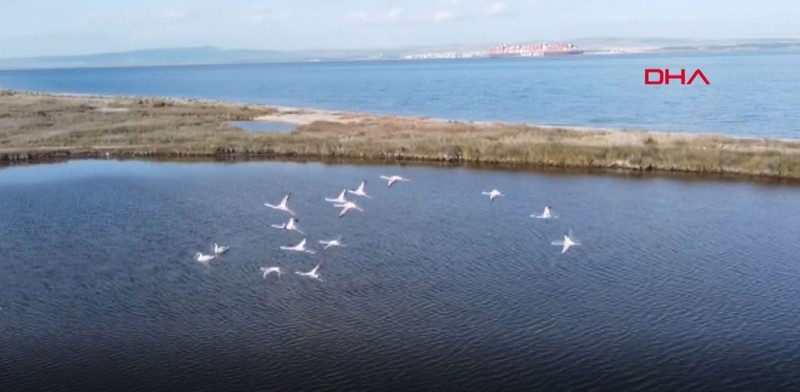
<point x="40" y="127"/>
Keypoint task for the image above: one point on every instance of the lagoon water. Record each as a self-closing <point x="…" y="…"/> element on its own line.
<point x="751" y="93"/>
<point x="679" y="284"/>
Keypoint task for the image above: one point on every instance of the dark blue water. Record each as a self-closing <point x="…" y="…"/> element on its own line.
<point x="753" y="93"/>
<point x="678" y="285"/>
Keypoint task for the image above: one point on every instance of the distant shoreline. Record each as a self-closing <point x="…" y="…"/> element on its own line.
<point x="40" y="127"/>
<point x="211" y="56"/>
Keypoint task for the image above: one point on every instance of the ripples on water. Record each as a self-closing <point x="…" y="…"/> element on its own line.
<point x="678" y="285"/>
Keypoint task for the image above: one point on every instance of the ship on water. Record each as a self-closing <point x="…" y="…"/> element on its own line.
<point x="534" y="50"/>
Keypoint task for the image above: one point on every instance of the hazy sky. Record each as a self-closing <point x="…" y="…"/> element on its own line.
<point x="44" y="27"/>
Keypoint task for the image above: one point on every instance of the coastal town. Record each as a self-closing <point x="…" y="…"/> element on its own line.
<point x="517" y="50"/>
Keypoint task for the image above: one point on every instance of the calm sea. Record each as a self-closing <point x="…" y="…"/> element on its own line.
<point x="678" y="284"/>
<point x="751" y="93"/>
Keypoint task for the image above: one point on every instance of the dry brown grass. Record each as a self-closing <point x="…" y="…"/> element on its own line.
<point x="32" y="122"/>
<point x="41" y="126"/>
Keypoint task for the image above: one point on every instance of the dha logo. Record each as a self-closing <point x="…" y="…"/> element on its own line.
<point x="658" y="76"/>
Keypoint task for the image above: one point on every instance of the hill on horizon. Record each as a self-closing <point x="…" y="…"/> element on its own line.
<point x="202" y="55"/>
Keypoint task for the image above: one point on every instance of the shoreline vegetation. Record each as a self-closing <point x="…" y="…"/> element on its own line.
<point x="41" y="127"/>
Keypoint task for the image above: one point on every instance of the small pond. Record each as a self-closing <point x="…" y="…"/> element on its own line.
<point x="264" y="126"/>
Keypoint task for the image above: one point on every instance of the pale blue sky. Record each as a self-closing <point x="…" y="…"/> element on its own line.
<point x="44" y="27"/>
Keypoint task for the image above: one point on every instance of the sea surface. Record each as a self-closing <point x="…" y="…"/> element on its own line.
<point x="677" y="284"/>
<point x="751" y="93"/>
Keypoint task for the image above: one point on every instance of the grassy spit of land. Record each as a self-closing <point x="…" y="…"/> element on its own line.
<point x="50" y="126"/>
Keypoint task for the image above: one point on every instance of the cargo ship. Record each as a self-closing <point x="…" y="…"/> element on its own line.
<point x="534" y="50"/>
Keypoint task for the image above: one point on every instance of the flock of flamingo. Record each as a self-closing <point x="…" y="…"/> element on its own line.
<point x="347" y="206"/>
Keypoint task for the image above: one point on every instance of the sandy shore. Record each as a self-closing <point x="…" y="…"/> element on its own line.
<point x="56" y="126"/>
<point x="300" y="116"/>
<point x="305" y="116"/>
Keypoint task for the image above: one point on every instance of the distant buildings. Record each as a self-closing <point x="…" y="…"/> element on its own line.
<point x="527" y="50"/>
<point x="534" y="50"/>
<point x="447" y="55"/>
